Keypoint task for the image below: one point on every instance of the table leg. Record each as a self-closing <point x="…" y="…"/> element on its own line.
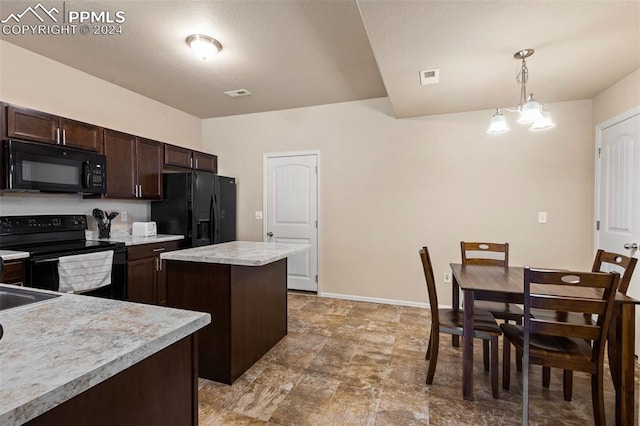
<point x="455" y="305"/>
<point x="467" y="347"/>
<point x="625" y="364"/>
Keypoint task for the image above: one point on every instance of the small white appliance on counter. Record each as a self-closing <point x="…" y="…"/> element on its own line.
<point x="144" y="229"/>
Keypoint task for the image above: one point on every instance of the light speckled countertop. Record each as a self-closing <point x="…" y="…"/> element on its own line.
<point x="245" y="253"/>
<point x="7" y="255"/>
<point x="54" y="350"/>
<point x="130" y="240"/>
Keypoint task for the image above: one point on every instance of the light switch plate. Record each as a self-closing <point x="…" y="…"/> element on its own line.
<point x="258" y="215"/>
<point x="542" y="217"/>
<point x="447" y="277"/>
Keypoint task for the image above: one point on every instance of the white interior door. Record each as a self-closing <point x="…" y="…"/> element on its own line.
<point x="619" y="196"/>
<point x="292" y="213"/>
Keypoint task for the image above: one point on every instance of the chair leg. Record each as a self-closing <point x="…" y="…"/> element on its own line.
<point x="428" y="354"/>
<point x="485" y="354"/>
<point x="494" y="366"/>
<point x="506" y="363"/>
<point x="433" y="356"/>
<point x="546" y="376"/>
<point x="518" y="353"/>
<point x="567" y="384"/>
<point x="597" y="398"/>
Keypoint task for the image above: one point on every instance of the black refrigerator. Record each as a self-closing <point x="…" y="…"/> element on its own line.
<point x="199" y="205"/>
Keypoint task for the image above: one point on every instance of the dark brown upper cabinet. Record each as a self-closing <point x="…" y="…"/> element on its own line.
<point x="185" y="158"/>
<point x="37" y="126"/>
<point x="134" y="166"/>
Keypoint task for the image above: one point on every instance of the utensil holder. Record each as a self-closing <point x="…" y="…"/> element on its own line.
<point x="104" y="230"/>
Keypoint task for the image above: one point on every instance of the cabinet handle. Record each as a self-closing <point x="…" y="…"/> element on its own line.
<point x="191" y="163"/>
<point x="196" y="163"/>
<point x="159" y="264"/>
<point x="58" y="136"/>
<point x="160" y="249"/>
<point x="64" y="137"/>
<point x="135" y="190"/>
<point x="140" y="190"/>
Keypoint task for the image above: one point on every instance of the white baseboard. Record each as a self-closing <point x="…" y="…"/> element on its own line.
<point x="375" y="300"/>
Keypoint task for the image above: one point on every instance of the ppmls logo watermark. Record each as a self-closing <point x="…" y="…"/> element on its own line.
<point x="57" y="20"/>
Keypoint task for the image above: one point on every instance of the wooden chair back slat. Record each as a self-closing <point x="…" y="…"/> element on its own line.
<point x="479" y="253"/>
<point x="568" y="279"/>
<point x="554" y="328"/>
<point x="567" y="304"/>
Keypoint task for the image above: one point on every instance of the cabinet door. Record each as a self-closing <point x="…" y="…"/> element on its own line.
<point x="176" y="156"/>
<point x="141" y="280"/>
<point x="76" y="134"/>
<point x="149" y="168"/>
<point x="120" y="149"/>
<point x="206" y="162"/>
<point x="32" y="125"/>
<point x="13" y="272"/>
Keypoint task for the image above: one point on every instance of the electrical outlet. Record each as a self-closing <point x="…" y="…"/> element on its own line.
<point x="258" y="215"/>
<point x="447" y="277"/>
<point x="123" y="216"/>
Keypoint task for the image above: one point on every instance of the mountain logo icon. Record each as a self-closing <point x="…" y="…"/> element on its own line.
<point x="39" y="11"/>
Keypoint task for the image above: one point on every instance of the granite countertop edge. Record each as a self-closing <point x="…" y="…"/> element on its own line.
<point x="130" y="240"/>
<point x="244" y="254"/>
<point x="7" y="255"/>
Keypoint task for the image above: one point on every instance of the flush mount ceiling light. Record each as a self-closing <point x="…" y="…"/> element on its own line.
<point x="530" y="110"/>
<point x="205" y="47"/>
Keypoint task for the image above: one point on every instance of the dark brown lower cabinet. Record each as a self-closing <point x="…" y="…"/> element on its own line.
<point x="145" y="274"/>
<point x="159" y="390"/>
<point x="248" y="307"/>
<point x="13" y="272"/>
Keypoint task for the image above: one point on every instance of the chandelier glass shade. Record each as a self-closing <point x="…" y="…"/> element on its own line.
<point x="530" y="110"/>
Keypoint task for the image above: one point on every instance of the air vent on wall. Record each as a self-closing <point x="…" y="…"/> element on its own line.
<point x="429" y="76"/>
<point x="237" y="93"/>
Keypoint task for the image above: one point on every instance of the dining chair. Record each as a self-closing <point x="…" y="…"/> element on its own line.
<point x="604" y="262"/>
<point x="560" y="344"/>
<point x="492" y="254"/>
<point x="450" y="321"/>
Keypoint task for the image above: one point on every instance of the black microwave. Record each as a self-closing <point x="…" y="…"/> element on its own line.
<point x="48" y="168"/>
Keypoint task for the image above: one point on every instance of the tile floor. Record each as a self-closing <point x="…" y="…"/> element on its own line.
<point x="355" y="363"/>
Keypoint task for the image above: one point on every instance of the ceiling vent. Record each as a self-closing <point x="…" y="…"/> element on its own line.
<point x="429" y="77"/>
<point x="237" y="93"/>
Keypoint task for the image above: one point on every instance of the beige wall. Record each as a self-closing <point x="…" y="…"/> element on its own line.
<point x="389" y="186"/>
<point x="33" y="81"/>
<point x="617" y="99"/>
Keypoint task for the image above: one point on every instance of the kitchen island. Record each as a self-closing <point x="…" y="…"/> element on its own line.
<point x="243" y="285"/>
<point x="83" y="360"/>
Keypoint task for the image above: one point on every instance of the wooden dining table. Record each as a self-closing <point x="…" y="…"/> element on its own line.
<point x="506" y="284"/>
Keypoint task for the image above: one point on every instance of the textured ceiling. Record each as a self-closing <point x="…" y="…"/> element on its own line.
<point x="291" y="54"/>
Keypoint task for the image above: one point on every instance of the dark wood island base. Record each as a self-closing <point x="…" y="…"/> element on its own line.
<point x="248" y="307"/>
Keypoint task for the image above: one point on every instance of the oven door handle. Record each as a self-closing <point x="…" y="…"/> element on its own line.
<point x="38" y="261"/>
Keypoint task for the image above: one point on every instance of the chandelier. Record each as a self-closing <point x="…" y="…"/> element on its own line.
<point x="531" y="111"/>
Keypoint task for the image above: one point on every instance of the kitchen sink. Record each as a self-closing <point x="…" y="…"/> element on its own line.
<point x="14" y="297"/>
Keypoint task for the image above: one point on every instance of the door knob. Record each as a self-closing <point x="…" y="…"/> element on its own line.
<point x="633" y="246"/>
<point x="270" y="234"/>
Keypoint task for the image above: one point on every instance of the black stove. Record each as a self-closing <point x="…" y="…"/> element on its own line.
<point x="47" y="238"/>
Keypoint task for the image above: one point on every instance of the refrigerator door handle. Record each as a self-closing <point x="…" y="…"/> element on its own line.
<point x="212" y="221"/>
